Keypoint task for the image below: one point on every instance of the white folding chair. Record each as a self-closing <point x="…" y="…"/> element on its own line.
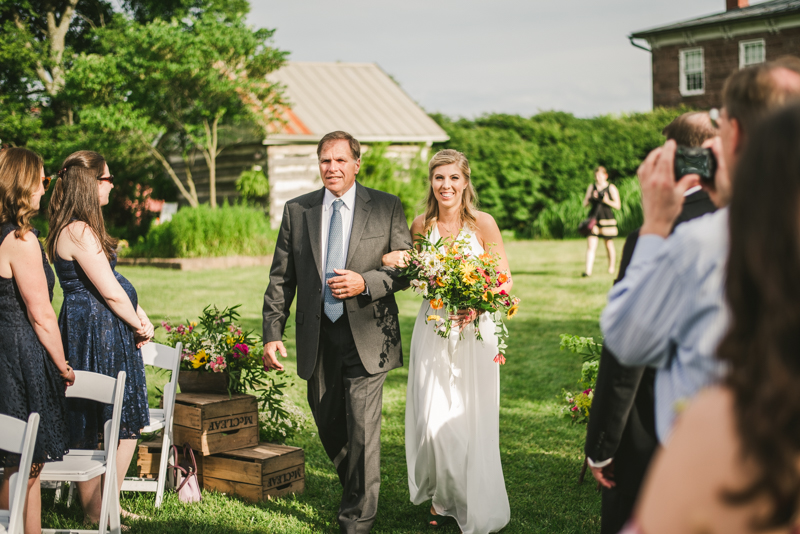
<point x="17" y="437"/>
<point x="168" y="358"/>
<point x="81" y="465"/>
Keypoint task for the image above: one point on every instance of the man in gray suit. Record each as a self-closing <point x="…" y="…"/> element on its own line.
<point x="329" y="254"/>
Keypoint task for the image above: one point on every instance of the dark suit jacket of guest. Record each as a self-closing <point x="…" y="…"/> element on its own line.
<point x="379" y="226"/>
<point x="622" y="422"/>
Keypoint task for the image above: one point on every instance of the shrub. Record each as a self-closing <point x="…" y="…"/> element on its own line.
<point x="531" y="173"/>
<point x="560" y="220"/>
<point x="388" y="174"/>
<point x="206" y="232"/>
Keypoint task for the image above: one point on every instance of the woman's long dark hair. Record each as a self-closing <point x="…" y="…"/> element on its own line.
<point x="75" y="196"/>
<point x="762" y="346"/>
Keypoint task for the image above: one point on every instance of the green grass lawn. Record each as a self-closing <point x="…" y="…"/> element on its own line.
<point x="541" y="452"/>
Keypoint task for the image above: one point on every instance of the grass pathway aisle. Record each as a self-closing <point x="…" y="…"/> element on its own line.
<point x="541" y="453"/>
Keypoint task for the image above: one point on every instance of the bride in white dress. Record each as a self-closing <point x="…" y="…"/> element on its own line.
<point x="453" y="396"/>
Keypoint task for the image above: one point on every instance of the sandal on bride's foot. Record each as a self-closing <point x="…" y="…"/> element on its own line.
<point x="435" y="520"/>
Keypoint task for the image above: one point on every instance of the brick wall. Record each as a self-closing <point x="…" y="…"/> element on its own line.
<point x="721" y="59"/>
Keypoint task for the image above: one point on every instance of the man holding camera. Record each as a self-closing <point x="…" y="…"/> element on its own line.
<point x="669" y="311"/>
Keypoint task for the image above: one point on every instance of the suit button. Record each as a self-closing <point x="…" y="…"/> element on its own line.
<point x="318" y="317"/>
<point x="320" y="290"/>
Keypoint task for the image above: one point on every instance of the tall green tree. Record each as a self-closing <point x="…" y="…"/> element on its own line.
<point x="174" y="85"/>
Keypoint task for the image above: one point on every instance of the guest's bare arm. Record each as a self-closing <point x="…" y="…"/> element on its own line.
<point x="613" y="199"/>
<point x="26" y="268"/>
<point x="587" y="196"/>
<point x="78" y="242"/>
<point x="683" y="490"/>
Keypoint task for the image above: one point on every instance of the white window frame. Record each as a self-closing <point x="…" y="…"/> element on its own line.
<point x="682" y="60"/>
<point x="743" y="44"/>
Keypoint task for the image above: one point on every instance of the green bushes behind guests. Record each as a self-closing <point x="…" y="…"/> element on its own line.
<point x="560" y="220"/>
<point x="531" y="172"/>
<point x="206" y="232"/>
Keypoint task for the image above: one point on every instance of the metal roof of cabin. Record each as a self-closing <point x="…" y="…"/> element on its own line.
<point x="358" y="98"/>
<point x="763" y="10"/>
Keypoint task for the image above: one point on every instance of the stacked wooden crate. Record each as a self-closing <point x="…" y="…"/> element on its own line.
<point x="223" y="432"/>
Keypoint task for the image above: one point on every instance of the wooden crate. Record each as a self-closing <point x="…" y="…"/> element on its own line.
<point x="149" y="458"/>
<point x="212" y="423"/>
<point x="256" y="473"/>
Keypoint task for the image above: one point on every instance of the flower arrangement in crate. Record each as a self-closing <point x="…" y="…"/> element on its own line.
<point x="577" y="405"/>
<point x="453" y="279"/>
<point x="215" y="345"/>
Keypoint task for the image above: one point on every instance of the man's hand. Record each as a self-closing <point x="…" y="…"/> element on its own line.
<point x="720" y="191"/>
<point x="270" y="360"/>
<point x="662" y="197"/>
<point x="396" y="259"/>
<point x="604" y="475"/>
<point x="347" y="285"/>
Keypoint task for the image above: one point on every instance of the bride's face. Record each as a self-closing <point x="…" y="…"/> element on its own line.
<point x="448" y="185"/>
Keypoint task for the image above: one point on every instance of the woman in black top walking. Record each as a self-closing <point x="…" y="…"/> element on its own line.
<point x="604" y="199"/>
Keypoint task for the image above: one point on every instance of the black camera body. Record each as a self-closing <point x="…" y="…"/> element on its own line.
<point x="695" y="160"/>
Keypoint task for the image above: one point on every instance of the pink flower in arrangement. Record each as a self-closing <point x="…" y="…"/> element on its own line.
<point x="574" y="409"/>
<point x="218" y="364"/>
<point x="166" y="326"/>
<point x="187" y="355"/>
<point x="503" y="292"/>
<point x="500" y="359"/>
<point x="181" y="329"/>
<point x="190" y="328"/>
<point x="231" y="328"/>
<point x="240" y="350"/>
<point x="587" y="391"/>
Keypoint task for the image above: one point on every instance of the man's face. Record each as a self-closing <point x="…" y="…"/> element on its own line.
<point x="337" y="167"/>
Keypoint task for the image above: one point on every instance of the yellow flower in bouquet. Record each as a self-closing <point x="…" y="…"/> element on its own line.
<point x="200" y="359"/>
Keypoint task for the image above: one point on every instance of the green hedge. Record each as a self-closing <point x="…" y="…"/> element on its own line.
<point x="531" y="173"/>
<point x="206" y="232"/>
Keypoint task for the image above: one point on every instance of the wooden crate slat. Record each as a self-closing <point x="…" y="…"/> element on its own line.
<point x="229" y="469"/>
<point x="207" y="444"/>
<point x="297" y="487"/>
<point x="248" y="492"/>
<point x="282" y="479"/>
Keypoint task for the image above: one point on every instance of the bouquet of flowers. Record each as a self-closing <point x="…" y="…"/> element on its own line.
<point x="216" y="344"/>
<point x="578" y="405"/>
<point x="453" y="279"/>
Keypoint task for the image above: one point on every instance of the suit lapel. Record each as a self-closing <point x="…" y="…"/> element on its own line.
<point x="313" y="217"/>
<point x="361" y="210"/>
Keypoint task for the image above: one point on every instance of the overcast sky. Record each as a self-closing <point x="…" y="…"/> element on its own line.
<point x="470" y="57"/>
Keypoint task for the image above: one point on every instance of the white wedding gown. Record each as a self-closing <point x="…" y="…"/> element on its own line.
<point x="452" y="422"/>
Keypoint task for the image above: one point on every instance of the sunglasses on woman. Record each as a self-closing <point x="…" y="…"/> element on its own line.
<point x="109" y="178"/>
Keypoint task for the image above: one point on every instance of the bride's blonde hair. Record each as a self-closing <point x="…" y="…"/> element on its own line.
<point x="469" y="199"/>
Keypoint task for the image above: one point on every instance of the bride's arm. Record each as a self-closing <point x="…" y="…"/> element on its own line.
<point x="489" y="232"/>
<point x="399" y="258"/>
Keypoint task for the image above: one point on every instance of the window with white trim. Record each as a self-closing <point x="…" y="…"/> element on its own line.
<point x="752" y="52"/>
<point x="692" y="72"/>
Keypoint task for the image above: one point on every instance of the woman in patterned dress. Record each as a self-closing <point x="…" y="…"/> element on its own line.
<point x="604" y="199"/>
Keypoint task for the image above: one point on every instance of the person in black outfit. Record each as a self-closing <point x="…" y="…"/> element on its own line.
<point x="33" y="370"/>
<point x="621" y="435"/>
<point x="604" y="199"/>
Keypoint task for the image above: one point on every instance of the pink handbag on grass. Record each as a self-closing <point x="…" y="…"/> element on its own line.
<point x="186" y="475"/>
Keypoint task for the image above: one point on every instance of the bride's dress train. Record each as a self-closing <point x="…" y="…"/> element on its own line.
<point x="452" y="422"/>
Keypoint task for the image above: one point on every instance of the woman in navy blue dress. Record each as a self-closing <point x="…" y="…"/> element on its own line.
<point x="102" y="324"/>
<point x="33" y="370"/>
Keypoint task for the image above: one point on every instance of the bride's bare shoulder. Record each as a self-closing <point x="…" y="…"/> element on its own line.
<point x="418" y="225"/>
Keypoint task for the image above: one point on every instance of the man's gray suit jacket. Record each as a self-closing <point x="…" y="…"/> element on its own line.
<point x="379" y="226"/>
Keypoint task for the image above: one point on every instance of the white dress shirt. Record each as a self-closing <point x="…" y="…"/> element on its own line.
<point x="347" y="211"/>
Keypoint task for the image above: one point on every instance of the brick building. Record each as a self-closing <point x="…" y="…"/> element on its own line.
<point x="692" y="59"/>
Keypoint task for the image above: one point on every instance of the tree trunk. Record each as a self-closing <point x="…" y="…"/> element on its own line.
<point x="210" y="154"/>
<point x="191" y="195"/>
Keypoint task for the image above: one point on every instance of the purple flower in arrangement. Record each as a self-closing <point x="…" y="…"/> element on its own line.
<point x="240" y="350"/>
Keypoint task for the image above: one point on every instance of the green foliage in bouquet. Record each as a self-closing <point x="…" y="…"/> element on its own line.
<point x="577" y="405"/>
<point x="216" y="344"/>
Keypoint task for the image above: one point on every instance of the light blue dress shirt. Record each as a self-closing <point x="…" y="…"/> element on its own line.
<point x="669" y="312"/>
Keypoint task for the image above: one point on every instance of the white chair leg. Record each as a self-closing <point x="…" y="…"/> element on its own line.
<point x="59" y="488"/>
<point x="166" y="452"/>
<point x="107" y="501"/>
<point x="70" y="493"/>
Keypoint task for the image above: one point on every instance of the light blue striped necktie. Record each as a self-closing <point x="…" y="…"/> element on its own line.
<point x="333" y="307"/>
